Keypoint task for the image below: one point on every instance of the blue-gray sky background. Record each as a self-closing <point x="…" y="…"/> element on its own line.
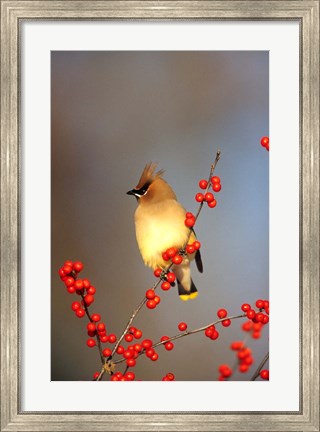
<point x="112" y="112"/>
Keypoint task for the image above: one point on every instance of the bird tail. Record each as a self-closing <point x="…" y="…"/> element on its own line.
<point x="185" y="294"/>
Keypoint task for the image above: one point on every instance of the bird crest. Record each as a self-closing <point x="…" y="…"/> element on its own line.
<point x="149" y="175"/>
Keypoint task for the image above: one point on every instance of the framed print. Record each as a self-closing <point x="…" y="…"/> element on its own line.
<point x="186" y="97"/>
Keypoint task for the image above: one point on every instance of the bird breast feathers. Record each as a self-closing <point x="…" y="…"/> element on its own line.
<point x="159" y="227"/>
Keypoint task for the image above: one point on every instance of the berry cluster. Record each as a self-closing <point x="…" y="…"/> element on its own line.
<point x="244" y="356"/>
<point x="118" y="376"/>
<point x="208" y="197"/>
<point x="96" y="329"/>
<point x="265" y="142"/>
<point x="257" y="316"/>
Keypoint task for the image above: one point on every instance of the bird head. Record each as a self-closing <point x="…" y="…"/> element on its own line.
<point x="151" y="185"/>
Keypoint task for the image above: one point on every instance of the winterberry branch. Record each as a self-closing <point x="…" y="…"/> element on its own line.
<point x="187" y="333"/>
<point x="91" y="320"/>
<point x="257" y="372"/>
<point x="212" y="168"/>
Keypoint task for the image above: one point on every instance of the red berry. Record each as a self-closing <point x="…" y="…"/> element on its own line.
<point x="265" y="319"/>
<point x="222" y="313"/>
<point x="190" y="215"/>
<point x="88" y="299"/>
<point x="80" y="313"/>
<point x="95" y="375"/>
<point x="165" y="256"/>
<point x="225" y="370"/>
<point x="209" y="331"/>
<point x="215" y="335"/>
<point x="120" y="350"/>
<point x="137" y="334"/>
<point x="248" y="360"/>
<point x="157" y="299"/>
<point x="151" y="304"/>
<point x="150" y="352"/>
<point x="171" y="252"/>
<point x="243" y="367"/>
<point x="203" y="184"/>
<point x="171" y="277"/>
<point x="61" y="272"/>
<point x="78" y="266"/>
<point x="129" y="337"/>
<point x="79" y="284"/>
<point x="91" y="343"/>
<point x="189" y="222"/>
<point x="216" y="187"/>
<point x="264" y="141"/>
<point x="226" y="323"/>
<point x="165" y="285"/>
<point x="86" y="283"/>
<point x="199" y="197"/>
<point x="69" y="281"/>
<point x="177" y="259"/>
<point x="107" y="352"/>
<point x="146" y="343"/>
<point x="157" y="272"/>
<point x="197" y="245"/>
<point x="209" y="197"/>
<point x="101" y="327"/>
<point x="130" y="376"/>
<point x="137" y="347"/>
<point x="67" y="268"/>
<point x="164" y="338"/>
<point x="247" y="326"/>
<point x="96" y="317"/>
<point x="75" y="305"/>
<point x="251" y="313"/>
<point x="91" y="326"/>
<point x="104" y="338"/>
<point x="169" y="346"/>
<point x="266" y="304"/>
<point x="215" y="179"/>
<point x="236" y="346"/>
<point x="150" y="294"/>
<point x="190" y="249"/>
<point x="245" y="307"/>
<point x="264" y="374"/>
<point x="154" y="357"/>
<point x="259" y="317"/>
<point x="212" y="204"/>
<point x="256" y="335"/>
<point x="170" y="376"/>
<point x="131" y="362"/>
<point x="182" y="326"/>
<point x="128" y="354"/>
<point x="71" y="289"/>
<point x="112" y="338"/>
<point x="260" y="304"/>
<point x="91" y="290"/>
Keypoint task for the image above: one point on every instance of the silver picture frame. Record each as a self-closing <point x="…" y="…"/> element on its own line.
<point x="304" y="12"/>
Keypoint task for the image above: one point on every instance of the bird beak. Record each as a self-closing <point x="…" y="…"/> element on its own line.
<point x="131" y="192"/>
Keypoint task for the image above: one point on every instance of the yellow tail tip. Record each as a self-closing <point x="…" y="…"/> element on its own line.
<point x="186" y="297"/>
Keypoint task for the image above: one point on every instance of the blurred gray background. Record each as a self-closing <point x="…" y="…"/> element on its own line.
<point x="112" y="112"/>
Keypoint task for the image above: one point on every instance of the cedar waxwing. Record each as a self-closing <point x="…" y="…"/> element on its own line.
<point x="159" y="222"/>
